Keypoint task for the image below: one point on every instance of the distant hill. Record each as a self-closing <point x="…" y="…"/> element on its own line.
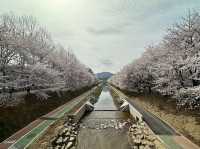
<point x="104" y="75"/>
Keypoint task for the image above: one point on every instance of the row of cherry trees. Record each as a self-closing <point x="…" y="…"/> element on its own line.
<point x="170" y="68"/>
<point x="30" y="59"/>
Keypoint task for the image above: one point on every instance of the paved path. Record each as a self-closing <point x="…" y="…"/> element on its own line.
<point x="166" y="133"/>
<point x="27" y="135"/>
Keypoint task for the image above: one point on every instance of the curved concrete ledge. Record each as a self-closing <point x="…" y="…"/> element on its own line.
<point x="126" y="106"/>
<point x="80" y="112"/>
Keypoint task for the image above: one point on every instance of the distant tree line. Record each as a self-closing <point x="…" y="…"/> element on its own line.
<point x="170" y="68"/>
<point x="29" y="58"/>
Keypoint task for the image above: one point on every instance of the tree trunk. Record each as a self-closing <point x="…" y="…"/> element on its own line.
<point x="4" y="81"/>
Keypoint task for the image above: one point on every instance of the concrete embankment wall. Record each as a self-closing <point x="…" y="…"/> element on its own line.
<point x="134" y="112"/>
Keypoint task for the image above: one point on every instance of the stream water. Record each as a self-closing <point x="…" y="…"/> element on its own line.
<point x="106" y="127"/>
<point x="105" y="101"/>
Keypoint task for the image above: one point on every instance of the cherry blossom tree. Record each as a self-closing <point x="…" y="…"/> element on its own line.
<point x="29" y="58"/>
<point x="170" y="68"/>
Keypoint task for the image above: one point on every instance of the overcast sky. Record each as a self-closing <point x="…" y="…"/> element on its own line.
<point x="104" y="34"/>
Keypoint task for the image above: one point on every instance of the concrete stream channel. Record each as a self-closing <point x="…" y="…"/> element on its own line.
<point x="108" y="121"/>
<point x="104" y="128"/>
